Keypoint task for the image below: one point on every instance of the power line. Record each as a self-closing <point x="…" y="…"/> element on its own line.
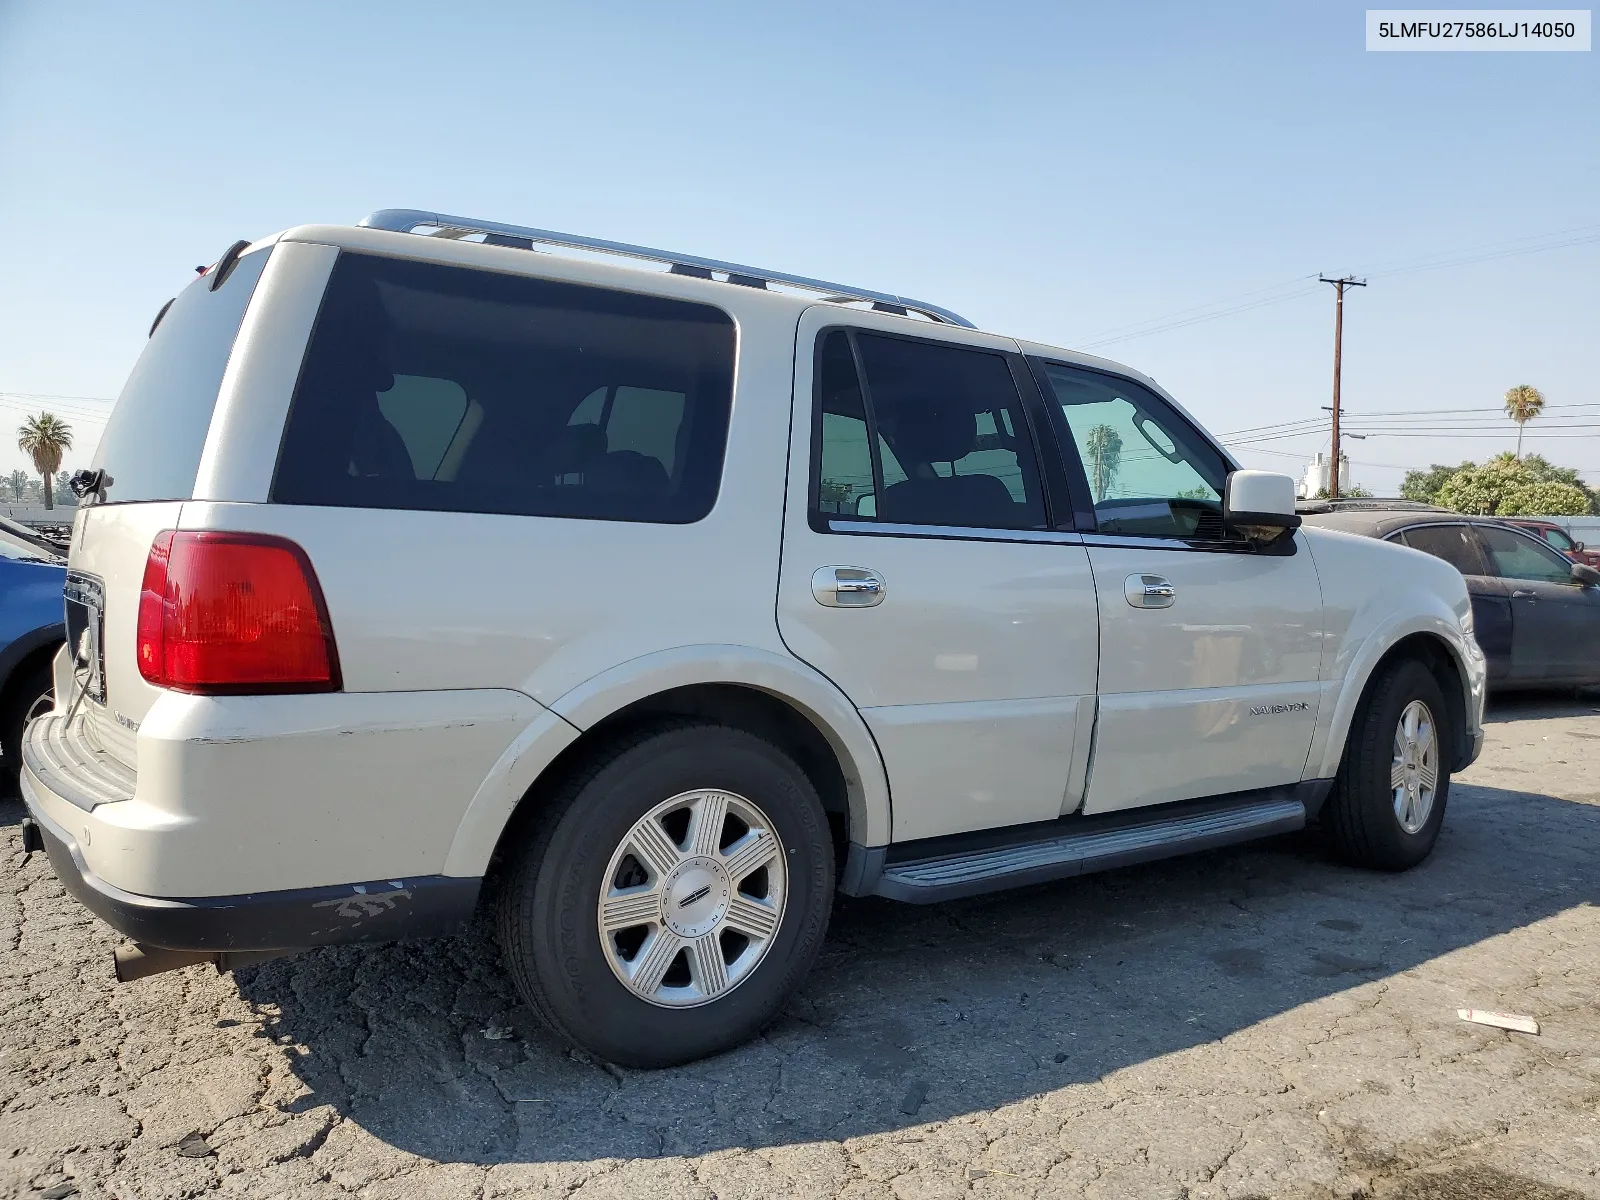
<point x="74" y="414"/>
<point x="1416" y="416"/>
<point x="1471" y="259"/>
<point x="1226" y="312"/>
<point x="1184" y="312"/>
<point x="58" y="396"/>
<point x="1466" y="256"/>
<point x="1390" y="266"/>
<point x="1438" y="436"/>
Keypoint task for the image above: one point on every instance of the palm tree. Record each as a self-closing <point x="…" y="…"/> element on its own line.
<point x="19" y="483"/>
<point x="1105" y="457"/>
<point x="44" y="438"/>
<point x="1523" y="404"/>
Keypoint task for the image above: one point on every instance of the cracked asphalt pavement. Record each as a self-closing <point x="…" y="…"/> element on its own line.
<point x="1255" y="1022"/>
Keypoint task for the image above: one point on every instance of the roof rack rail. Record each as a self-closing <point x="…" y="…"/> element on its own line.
<point x="409" y="220"/>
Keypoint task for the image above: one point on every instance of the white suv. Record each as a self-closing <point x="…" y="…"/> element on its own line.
<point x="660" y="600"/>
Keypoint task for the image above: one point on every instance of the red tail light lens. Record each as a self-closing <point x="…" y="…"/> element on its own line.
<point x="232" y="613"/>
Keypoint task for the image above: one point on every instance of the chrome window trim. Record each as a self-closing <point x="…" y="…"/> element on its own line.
<point x="1127" y="541"/>
<point x="953" y="532"/>
<point x="1034" y="536"/>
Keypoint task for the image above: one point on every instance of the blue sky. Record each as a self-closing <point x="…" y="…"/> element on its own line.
<point x="1053" y="171"/>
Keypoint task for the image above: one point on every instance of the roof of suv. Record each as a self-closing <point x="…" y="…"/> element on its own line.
<point x="523" y="237"/>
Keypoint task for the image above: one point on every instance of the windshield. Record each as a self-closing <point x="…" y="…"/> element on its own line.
<point x="15" y="548"/>
<point x="20" y="542"/>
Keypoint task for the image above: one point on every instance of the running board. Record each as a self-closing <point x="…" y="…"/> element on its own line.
<point x="1080" y="845"/>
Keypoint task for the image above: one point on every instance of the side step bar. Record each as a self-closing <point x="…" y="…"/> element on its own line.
<point x="1080" y="845"/>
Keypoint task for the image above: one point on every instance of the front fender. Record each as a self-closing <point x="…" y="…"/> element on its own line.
<point x="788" y="679"/>
<point x="1376" y="595"/>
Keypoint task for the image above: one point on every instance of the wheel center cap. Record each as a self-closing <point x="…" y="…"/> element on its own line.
<point x="696" y="897"/>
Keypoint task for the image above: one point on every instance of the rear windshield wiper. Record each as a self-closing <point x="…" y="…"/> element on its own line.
<point x="85" y="484"/>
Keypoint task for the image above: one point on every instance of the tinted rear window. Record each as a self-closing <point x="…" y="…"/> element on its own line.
<point x="450" y="389"/>
<point x="1456" y="544"/>
<point x="151" y="446"/>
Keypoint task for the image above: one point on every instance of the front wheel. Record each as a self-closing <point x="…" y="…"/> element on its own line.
<point x="672" y="897"/>
<point x="1389" y="797"/>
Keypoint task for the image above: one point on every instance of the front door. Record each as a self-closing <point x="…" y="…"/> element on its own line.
<point x="921" y="575"/>
<point x="1210" y="649"/>
<point x="1555" y="622"/>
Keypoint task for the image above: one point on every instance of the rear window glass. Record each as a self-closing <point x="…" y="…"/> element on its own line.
<point x="1456" y="544"/>
<point x="151" y="446"/>
<point x="449" y="389"/>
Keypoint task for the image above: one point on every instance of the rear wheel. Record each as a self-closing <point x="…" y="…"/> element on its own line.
<point x="672" y="897"/>
<point x="29" y="695"/>
<point x="1389" y="797"/>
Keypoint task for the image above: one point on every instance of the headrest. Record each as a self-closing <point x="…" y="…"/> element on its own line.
<point x="576" y="446"/>
<point x="933" y="431"/>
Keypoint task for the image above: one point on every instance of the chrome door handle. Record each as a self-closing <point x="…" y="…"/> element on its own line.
<point x="847" y="587"/>
<point x="1524" y="594"/>
<point x="1149" y="591"/>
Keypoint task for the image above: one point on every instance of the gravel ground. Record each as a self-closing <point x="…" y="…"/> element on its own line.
<point x="1248" y="1023"/>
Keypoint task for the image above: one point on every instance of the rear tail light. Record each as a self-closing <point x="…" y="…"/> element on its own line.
<point x="232" y="613"/>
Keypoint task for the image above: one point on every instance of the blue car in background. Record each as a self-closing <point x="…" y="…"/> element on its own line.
<point x="32" y="573"/>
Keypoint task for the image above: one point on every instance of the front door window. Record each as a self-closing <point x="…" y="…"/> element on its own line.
<point x="1149" y="473"/>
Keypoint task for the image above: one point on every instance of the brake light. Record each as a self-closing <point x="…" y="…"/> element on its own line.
<point x="233" y="613"/>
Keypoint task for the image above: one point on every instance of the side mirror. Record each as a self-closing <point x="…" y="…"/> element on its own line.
<point x="1584" y="575"/>
<point x="1579" y="546"/>
<point x="1259" y="505"/>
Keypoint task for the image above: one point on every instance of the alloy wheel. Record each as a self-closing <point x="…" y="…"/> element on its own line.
<point x="692" y="898"/>
<point x="1414" y="769"/>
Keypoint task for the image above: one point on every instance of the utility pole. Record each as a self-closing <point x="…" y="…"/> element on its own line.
<point x="1338" y="339"/>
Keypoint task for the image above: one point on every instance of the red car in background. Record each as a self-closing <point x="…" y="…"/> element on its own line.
<point x="1553" y="535"/>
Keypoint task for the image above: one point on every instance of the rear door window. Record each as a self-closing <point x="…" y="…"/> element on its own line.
<point x="1453" y="543"/>
<point x="450" y="389"/>
<point x="952" y="446"/>
<point x="152" y="444"/>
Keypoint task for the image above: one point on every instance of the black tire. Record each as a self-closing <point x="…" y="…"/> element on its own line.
<point x="21" y="696"/>
<point x="1359" y="819"/>
<point x="550" y="928"/>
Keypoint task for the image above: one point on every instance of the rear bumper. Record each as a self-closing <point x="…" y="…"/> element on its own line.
<point x="380" y="911"/>
<point x="246" y="795"/>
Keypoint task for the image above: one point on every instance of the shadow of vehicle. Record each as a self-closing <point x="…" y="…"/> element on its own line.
<point x="981" y="1002"/>
<point x="1542" y="702"/>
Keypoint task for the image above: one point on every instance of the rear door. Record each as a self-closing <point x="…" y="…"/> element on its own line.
<point x="1555" y="621"/>
<point x="1211" y="649"/>
<point x="922" y="575"/>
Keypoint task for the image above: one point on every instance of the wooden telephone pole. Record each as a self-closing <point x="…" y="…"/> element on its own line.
<point x="1338" y="339"/>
